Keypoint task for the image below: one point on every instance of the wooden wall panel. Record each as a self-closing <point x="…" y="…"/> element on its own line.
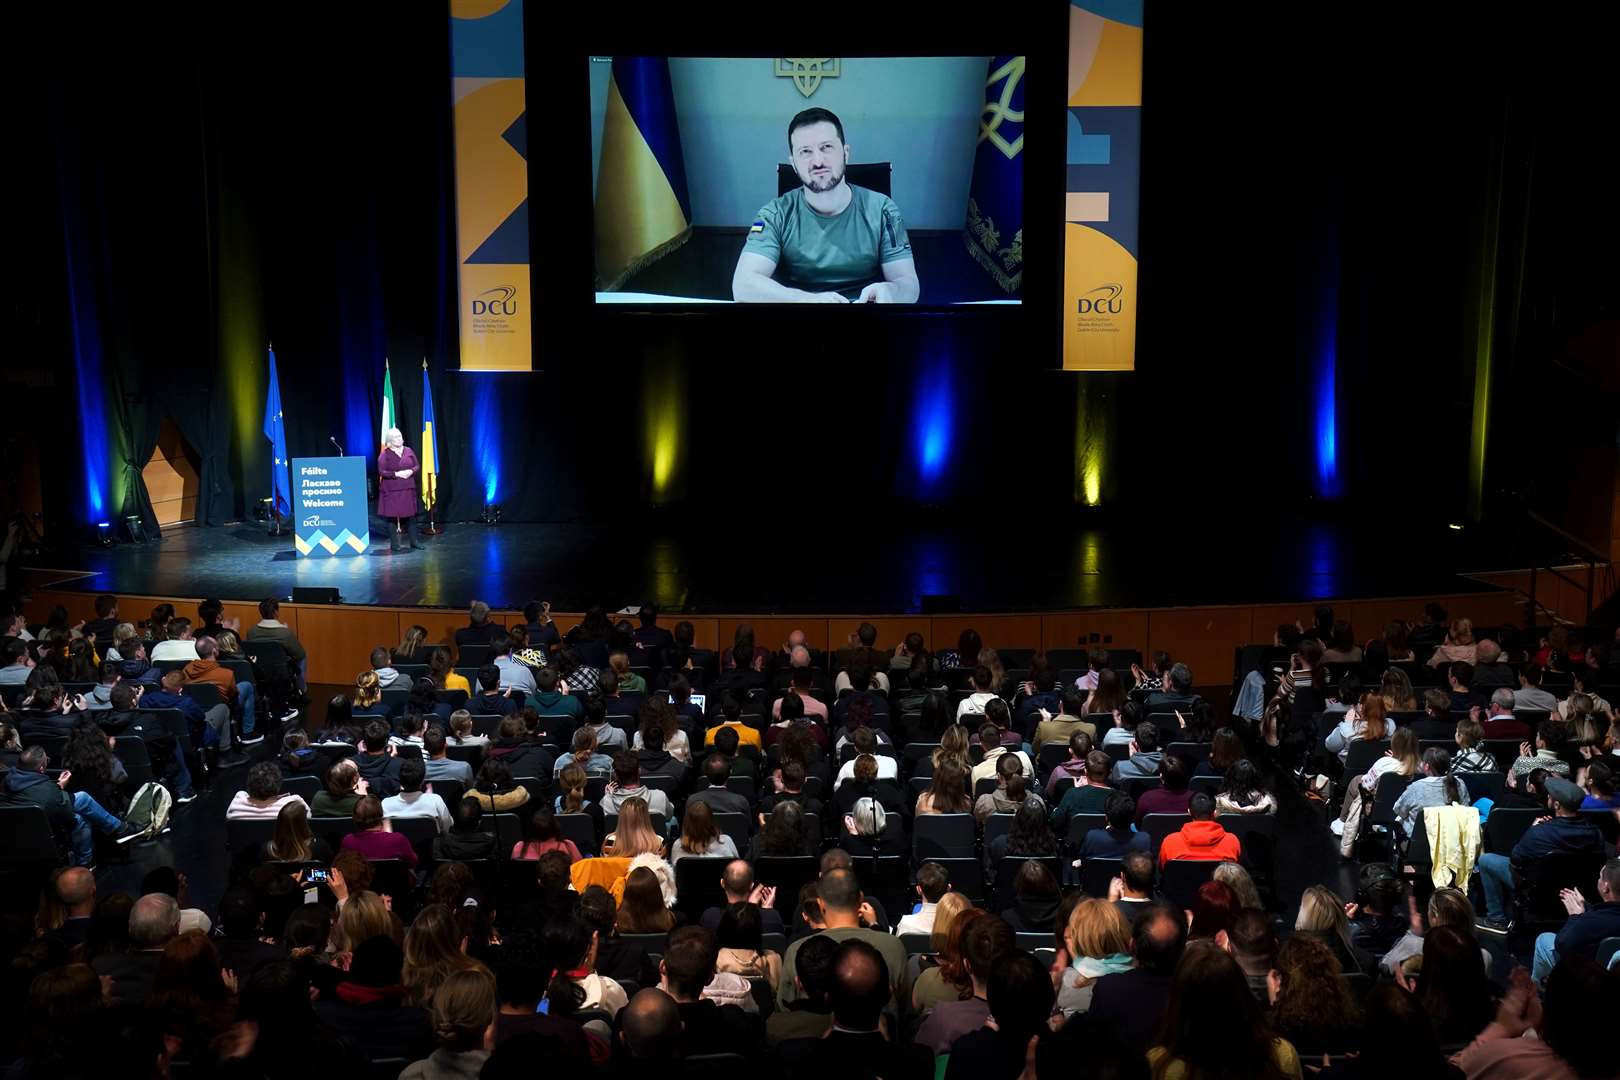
<point x="339" y="640"/>
<point x="246" y="615"/>
<point x="1202" y="638"/>
<point x="1128" y="627"/>
<point x="998" y="631"/>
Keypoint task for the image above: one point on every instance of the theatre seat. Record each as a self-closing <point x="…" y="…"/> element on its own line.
<point x="873" y="176"/>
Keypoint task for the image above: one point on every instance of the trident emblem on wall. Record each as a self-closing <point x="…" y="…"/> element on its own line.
<point x="807" y="71"/>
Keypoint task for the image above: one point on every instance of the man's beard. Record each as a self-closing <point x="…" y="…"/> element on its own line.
<point x="826" y="183"/>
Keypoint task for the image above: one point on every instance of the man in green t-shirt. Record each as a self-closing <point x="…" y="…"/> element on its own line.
<point x="827" y="241"/>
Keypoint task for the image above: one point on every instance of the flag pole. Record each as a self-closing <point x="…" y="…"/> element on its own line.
<point x="433" y="511"/>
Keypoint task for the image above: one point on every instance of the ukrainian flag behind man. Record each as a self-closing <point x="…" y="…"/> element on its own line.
<point x="994" y="230"/>
<point x="428" y="458"/>
<point x="643" y="211"/>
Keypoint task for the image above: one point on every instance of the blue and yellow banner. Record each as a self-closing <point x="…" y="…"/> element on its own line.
<point x="643" y="211"/>
<point x="1103" y="188"/>
<point x="428" y="456"/>
<point x="994" y="231"/>
<point x="492" y="184"/>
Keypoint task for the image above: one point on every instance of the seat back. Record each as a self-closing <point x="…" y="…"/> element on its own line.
<point x="581" y="830"/>
<point x="1180" y="879"/>
<point x="1390" y="788"/>
<point x="1080" y="824"/>
<point x="697" y="884"/>
<point x="789" y="874"/>
<point x="967" y="877"/>
<point x="1361" y="755"/>
<point x="132" y="751"/>
<point x="306" y="787"/>
<point x="942" y="836"/>
<point x="1507" y="824"/>
<point x="1095" y="874"/>
<point x="1159" y="826"/>
<point x="1483" y="785"/>
<point x="734" y="825"/>
<point x="245" y="835"/>
<point x="331" y="829"/>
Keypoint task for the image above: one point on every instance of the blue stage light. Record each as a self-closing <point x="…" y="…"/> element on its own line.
<point x="933" y="424"/>
<point x="486" y="428"/>
<point x="1326" y="374"/>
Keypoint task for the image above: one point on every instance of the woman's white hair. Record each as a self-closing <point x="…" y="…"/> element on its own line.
<point x="392" y="433"/>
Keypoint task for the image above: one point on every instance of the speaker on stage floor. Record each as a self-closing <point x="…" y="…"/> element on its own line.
<point x="316" y="595"/>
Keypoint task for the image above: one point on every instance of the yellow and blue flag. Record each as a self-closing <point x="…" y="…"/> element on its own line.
<point x="643" y="211"/>
<point x="275" y="429"/>
<point x="428" y="459"/>
<point x="994" y="230"/>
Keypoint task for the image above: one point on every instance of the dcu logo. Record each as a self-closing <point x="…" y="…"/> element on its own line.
<point x="1103" y="300"/>
<point x="497" y="301"/>
<point x="315" y="521"/>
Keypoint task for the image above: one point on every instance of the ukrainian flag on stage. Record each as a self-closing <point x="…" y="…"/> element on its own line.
<point x="428" y="459"/>
<point x="994" y="231"/>
<point x="276" y="431"/>
<point x="643" y="211"/>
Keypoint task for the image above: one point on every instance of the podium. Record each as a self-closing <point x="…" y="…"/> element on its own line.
<point x="331" y="513"/>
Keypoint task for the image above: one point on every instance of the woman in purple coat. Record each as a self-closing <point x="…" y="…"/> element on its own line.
<point x="396" y="489"/>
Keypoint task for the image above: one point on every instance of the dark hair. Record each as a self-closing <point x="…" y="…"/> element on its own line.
<point x="689" y="959"/>
<point x="1120" y="809"/>
<point x="1453" y="985"/>
<point x="740" y="927"/>
<point x="1159" y="934"/>
<point x="1029" y="834"/>
<point x="860" y="985"/>
<point x="1020" y="994"/>
<point x="1242" y="783"/>
<point x="1201" y="807"/>
<point x="264" y="781"/>
<point x="815" y="966"/>
<point x="412" y="774"/>
<point x="1213" y="1024"/>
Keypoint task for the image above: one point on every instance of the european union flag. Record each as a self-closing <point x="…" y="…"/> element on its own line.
<point x="643" y="211"/>
<point x="276" y="431"/>
<point x="994" y="231"/>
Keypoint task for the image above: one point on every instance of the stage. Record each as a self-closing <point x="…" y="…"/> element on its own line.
<point x="834" y="562"/>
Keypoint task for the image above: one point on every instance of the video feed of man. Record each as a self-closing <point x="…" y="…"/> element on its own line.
<point x="789" y="180"/>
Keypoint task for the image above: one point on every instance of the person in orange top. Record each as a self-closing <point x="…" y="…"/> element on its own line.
<point x="1202" y="837"/>
<point x="206" y="669"/>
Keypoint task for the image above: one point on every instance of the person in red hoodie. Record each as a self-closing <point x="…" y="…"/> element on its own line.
<point x="1202" y="837"/>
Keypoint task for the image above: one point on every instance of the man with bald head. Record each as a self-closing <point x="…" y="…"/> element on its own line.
<point x="154" y="921"/>
<point x="76" y="892"/>
<point x="794" y="654"/>
<point x="1133" y="1002"/>
<point x="857" y="1042"/>
<point x="737" y="880"/>
<point x="650" y="1028"/>
<point x="840" y="898"/>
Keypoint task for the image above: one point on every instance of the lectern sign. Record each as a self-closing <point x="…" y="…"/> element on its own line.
<point x="331" y="514"/>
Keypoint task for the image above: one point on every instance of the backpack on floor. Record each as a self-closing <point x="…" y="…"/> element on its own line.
<point x="149" y="809"/>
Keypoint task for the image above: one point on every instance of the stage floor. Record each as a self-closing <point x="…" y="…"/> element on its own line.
<point x="997" y="562"/>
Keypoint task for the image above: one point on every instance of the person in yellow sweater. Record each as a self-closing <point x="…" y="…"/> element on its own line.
<point x="746" y="736"/>
<point x="443" y="676"/>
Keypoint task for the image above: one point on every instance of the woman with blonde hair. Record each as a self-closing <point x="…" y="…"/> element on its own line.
<point x="1321" y="916"/>
<point x="411" y="646"/>
<point x="953" y="746"/>
<point x="1396" y="691"/>
<point x="368" y="695"/>
<point x="123" y="642"/>
<point x="1096" y="942"/>
<point x="634" y="835"/>
<point x="363" y="917"/>
<point x="434" y="950"/>
<point x="1401" y="759"/>
<point x="293" y="842"/>
<point x="1459" y="644"/>
<point x="464" y="1013"/>
<point x="461" y="730"/>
